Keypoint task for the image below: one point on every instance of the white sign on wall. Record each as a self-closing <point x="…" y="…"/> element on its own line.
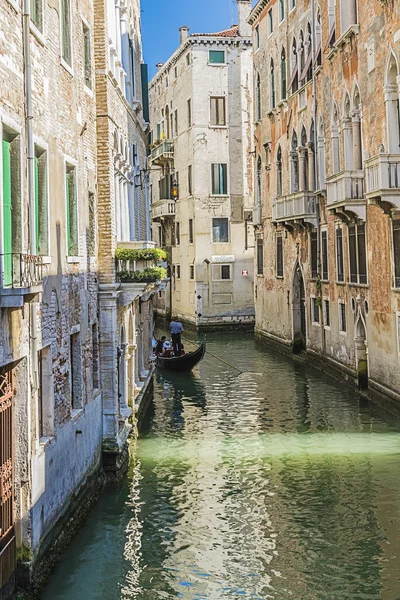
<point x="223" y="258"/>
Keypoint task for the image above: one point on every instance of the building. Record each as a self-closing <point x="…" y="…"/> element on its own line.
<point x="73" y="120"/>
<point x="202" y="174"/>
<point x="327" y="187"/>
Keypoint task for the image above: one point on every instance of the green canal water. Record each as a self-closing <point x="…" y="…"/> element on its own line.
<point x="274" y="483"/>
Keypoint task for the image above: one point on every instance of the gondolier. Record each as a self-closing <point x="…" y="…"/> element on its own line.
<point x="176" y="328"/>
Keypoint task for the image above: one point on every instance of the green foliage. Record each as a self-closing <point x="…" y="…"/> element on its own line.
<point x="156" y="254"/>
<point x="146" y="276"/>
<point x="319" y="292"/>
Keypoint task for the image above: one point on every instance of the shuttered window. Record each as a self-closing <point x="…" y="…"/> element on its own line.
<point x="7" y="214"/>
<point x="339" y="255"/>
<point x="219" y="179"/>
<point x="324" y="251"/>
<point x="396" y="252"/>
<point x="217" y="57"/>
<point x="218" y="111"/>
<point x="87" y="58"/>
<point x="357" y="254"/>
<point x="279" y="256"/>
<point x="66" y="49"/>
<point x="260" y="257"/>
<point x="41" y="203"/>
<point x="72" y="211"/>
<point x="314" y="254"/>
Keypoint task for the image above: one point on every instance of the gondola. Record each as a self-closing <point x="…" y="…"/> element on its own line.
<point x="187" y="362"/>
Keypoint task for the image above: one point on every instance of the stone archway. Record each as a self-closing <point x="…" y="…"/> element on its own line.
<point x="361" y="344"/>
<point x="299" y="311"/>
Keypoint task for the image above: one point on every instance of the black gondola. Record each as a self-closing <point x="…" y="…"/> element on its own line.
<point x="187" y="362"/>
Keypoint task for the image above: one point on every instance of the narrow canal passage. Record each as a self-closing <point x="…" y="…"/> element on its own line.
<point x="274" y="483"/>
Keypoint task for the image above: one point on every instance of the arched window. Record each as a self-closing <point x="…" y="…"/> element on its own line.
<point x="392" y="105"/>
<point x="303" y="174"/>
<point x="347" y="135"/>
<point x="279" y="172"/>
<point x="283" y="75"/>
<point x="318" y="37"/>
<point x="302" y="58"/>
<point x="272" y="84"/>
<point x="259" y="182"/>
<point x="332" y="22"/>
<point x="294" y="164"/>
<point x="321" y="155"/>
<point x="357" y="131"/>
<point x="335" y="140"/>
<point x="294" y="66"/>
<point x="258" y="98"/>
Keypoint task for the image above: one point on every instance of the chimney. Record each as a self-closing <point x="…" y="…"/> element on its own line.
<point x="184" y="33"/>
<point x="244" y="10"/>
<point x="159" y="65"/>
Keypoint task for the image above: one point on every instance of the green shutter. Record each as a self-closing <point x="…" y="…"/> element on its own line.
<point x="68" y="214"/>
<point x="7" y="214"/>
<point x="217" y="57"/>
<point x="37" y="204"/>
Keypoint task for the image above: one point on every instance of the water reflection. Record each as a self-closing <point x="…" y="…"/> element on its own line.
<point x="273" y="483"/>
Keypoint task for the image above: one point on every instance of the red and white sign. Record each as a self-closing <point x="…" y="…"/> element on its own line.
<point x="245" y="273"/>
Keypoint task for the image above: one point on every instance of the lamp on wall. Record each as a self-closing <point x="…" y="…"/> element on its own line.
<point x="175" y="190"/>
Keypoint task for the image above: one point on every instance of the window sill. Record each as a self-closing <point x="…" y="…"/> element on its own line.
<point x="88" y="91"/>
<point x="14" y="5"/>
<point x="396" y="290"/>
<point x="301" y="108"/>
<point x="76" y="413"/>
<point x="350" y="31"/>
<point x="327" y="327"/>
<point x="272" y="111"/>
<point x="318" y="69"/>
<point x="38" y="34"/>
<point x="73" y="260"/>
<point x="280" y="277"/>
<point x="219" y="196"/>
<point x="67" y="67"/>
<point x="218" y="126"/>
<point x="315" y="324"/>
<point x="217" y="64"/>
<point x="358" y="285"/>
<point x="46" y="441"/>
<point x="343" y="333"/>
<point x="46" y="260"/>
<point x="341" y="283"/>
<point x="219" y="243"/>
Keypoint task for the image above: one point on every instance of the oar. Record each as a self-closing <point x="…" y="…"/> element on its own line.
<point x="214" y="356"/>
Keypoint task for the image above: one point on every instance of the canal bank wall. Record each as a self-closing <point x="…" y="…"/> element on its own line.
<point x="377" y="393"/>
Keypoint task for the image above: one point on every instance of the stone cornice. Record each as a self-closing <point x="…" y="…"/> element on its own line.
<point x="257" y="10"/>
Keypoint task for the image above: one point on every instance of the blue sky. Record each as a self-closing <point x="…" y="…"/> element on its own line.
<point x="161" y="20"/>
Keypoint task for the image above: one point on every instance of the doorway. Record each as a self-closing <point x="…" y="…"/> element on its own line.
<point x="299" y="311"/>
<point x="361" y="355"/>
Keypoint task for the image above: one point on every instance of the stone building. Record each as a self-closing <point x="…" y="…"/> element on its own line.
<point x="202" y="174"/>
<point x="69" y="102"/>
<point x="327" y="187"/>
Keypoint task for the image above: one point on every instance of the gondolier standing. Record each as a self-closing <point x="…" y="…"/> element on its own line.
<point x="176" y="328"/>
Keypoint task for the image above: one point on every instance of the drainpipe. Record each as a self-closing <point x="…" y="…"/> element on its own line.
<point x="316" y="169"/>
<point x="28" y="126"/>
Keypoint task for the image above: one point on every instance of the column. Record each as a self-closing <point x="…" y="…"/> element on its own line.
<point x="348" y="144"/>
<point x="302" y="168"/>
<point x="117" y="206"/>
<point x="311" y="167"/>
<point x="125" y="54"/>
<point x="357" y="142"/>
<point x="294" y="172"/>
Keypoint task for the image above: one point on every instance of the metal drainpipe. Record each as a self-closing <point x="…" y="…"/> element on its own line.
<point x="29" y="129"/>
<point x="316" y="167"/>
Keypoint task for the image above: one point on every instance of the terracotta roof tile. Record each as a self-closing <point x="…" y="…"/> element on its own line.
<point x="232" y="32"/>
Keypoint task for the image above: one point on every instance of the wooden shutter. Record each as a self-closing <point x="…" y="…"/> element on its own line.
<point x="7" y="214"/>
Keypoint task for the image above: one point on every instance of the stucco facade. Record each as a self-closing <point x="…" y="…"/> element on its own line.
<point x="202" y="174"/>
<point x="327" y="192"/>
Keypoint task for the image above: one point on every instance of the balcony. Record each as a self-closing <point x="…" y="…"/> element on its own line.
<point x="163" y="209"/>
<point x="139" y="269"/>
<point x="296" y="209"/>
<point x="162" y="152"/>
<point x="22" y="276"/>
<point x="345" y="195"/>
<point x="383" y="180"/>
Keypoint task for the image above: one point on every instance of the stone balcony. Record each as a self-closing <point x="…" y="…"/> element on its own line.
<point x="162" y="152"/>
<point x="22" y="278"/>
<point x="345" y="195"/>
<point x="383" y="180"/>
<point x="299" y="208"/>
<point x="140" y="267"/>
<point x="163" y="209"/>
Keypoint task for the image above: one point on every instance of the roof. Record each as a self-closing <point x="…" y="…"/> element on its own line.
<point x="232" y="32"/>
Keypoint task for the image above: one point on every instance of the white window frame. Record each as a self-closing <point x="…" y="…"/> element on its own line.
<point x="227" y="181"/>
<point x="292" y="5"/>
<point x="220" y="265"/>
<point x="221" y="64"/>
<point x="356" y="225"/>
<point x="280" y="17"/>
<point x="226" y="113"/>
<point x="257" y="37"/>
<point x="340" y="303"/>
<point x="325" y="300"/>
<point x="44" y="147"/>
<point x="229" y="230"/>
<point x="89" y="90"/>
<point x="71" y="162"/>
<point x="270" y="21"/>
<point x="315" y="308"/>
<point x="325" y="229"/>
<point x="67" y="67"/>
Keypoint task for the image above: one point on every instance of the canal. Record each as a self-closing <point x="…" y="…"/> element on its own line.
<point x="273" y="483"/>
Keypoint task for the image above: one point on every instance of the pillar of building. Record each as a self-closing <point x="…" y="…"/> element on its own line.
<point x="302" y="168"/>
<point x="294" y="167"/>
<point x="348" y="144"/>
<point x="311" y="167"/>
<point x="357" y="143"/>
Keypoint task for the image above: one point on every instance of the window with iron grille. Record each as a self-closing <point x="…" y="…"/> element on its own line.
<point x="342" y="317"/>
<point x="178" y="271"/>
<point x="191" y="271"/>
<point x="396" y="252"/>
<point x="279" y="256"/>
<point x="260" y="256"/>
<point x="314" y="310"/>
<point x="327" y="313"/>
<point x="217" y="111"/>
<point x="314" y="254"/>
<point x="191" y="236"/>
<point x="221" y="272"/>
<point x="324" y="252"/>
<point x="357" y="254"/>
<point x="339" y="254"/>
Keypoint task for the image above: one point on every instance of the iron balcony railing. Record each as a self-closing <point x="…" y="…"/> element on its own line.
<point x="22" y="270"/>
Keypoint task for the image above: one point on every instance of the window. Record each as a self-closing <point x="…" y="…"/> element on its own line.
<point x="176" y="122"/>
<point x="92" y="225"/>
<point x="270" y="22"/>
<point x="37" y="13"/>
<point x="41" y="202"/>
<point x="95" y="357"/>
<point x="272" y="84"/>
<point x="217" y="112"/>
<point x="324" y="251"/>
<point x="258" y="98"/>
<point x="357" y="254"/>
<point x="281" y="10"/>
<point x="87" y="58"/>
<point x="188" y="59"/>
<point x="166" y="82"/>
<point x="342" y="317"/>
<point x="177" y="233"/>
<point x="72" y="211"/>
<point x="221" y="272"/>
<point x="11" y="170"/>
<point x="398" y="331"/>
<point x="339" y="254"/>
<point x="292" y="4"/>
<point x="257" y="37"/>
<point x="191" y="274"/>
<point x="189" y="112"/>
<point x="279" y="178"/>
<point x="178" y="271"/>
<point x="314" y="254"/>
<point x="396" y="252"/>
<point x="220" y="233"/>
<point x="75" y="369"/>
<point x="219" y="179"/>
<point x="176" y="72"/>
<point x="327" y="313"/>
<point x="279" y="256"/>
<point x="283" y="75"/>
<point x="260" y="256"/>
<point x="190" y="190"/>
<point x="259" y="182"/>
<point x="216" y="57"/>
<point x="45" y="393"/>
<point x="191" y="237"/>
<point x="66" y="47"/>
<point x="314" y="310"/>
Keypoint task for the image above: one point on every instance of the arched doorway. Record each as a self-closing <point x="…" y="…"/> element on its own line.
<point x="122" y="370"/>
<point x="299" y="311"/>
<point x="361" y="352"/>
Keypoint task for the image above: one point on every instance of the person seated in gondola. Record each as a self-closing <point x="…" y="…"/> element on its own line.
<point x="160" y="344"/>
<point x="167" y="349"/>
